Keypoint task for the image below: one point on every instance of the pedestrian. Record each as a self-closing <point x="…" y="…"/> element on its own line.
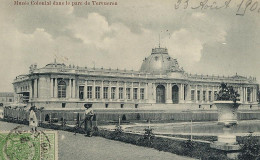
<point x="33" y="122"/>
<point x="89" y="113"/>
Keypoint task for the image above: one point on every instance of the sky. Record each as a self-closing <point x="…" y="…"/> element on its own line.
<point x="205" y="41"/>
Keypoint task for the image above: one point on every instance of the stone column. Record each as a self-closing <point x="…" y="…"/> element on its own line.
<point x="51" y="87"/>
<point x="251" y="95"/>
<point x="188" y="93"/>
<point x="255" y="94"/>
<point x="168" y="100"/>
<point x="213" y="93"/>
<point x="207" y="93"/>
<point x="94" y="90"/>
<point x="196" y="92"/>
<point x="117" y="91"/>
<point x="241" y="94"/>
<point x="132" y="91"/>
<point x="31" y="90"/>
<point x="138" y="91"/>
<point x="201" y="93"/>
<point x="56" y="88"/>
<point x="181" y="93"/>
<point x="109" y="91"/>
<point x="73" y="89"/>
<point x="245" y="94"/>
<point x="170" y="92"/>
<point x="85" y="89"/>
<point x="102" y="90"/>
<point x="125" y="98"/>
<point x="154" y="92"/>
<point x="146" y="91"/>
<point x="69" y="89"/>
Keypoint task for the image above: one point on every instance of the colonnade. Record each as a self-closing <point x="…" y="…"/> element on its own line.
<point x="113" y="89"/>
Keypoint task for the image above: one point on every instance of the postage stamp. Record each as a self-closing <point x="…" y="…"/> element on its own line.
<point x="25" y="145"/>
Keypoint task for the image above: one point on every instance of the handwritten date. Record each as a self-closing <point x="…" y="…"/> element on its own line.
<point x="243" y="6"/>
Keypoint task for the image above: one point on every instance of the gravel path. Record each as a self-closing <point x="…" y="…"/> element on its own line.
<point x="79" y="147"/>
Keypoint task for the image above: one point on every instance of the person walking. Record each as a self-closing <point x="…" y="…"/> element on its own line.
<point x="33" y="122"/>
<point x="89" y="113"/>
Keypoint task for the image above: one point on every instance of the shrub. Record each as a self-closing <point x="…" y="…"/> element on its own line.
<point x="123" y="118"/>
<point x="250" y="148"/>
<point x="227" y="93"/>
<point x="138" y="117"/>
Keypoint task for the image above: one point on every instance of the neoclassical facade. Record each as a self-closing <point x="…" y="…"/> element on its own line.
<point x="160" y="80"/>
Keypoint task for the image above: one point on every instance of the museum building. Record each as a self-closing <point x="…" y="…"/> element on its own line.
<point x="159" y="82"/>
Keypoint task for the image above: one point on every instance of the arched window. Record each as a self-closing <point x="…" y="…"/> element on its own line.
<point x="61" y="89"/>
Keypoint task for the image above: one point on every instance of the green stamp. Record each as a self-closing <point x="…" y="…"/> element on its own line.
<point x="24" y="145"/>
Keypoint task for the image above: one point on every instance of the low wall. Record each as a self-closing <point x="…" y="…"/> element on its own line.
<point x="113" y="114"/>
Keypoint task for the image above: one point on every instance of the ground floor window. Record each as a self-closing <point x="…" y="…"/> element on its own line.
<point x="198" y="95"/>
<point x="215" y="95"/>
<point x="121" y="91"/>
<point x="210" y="92"/>
<point x="135" y="93"/>
<point x="97" y="91"/>
<point x="81" y="92"/>
<point x="89" y="92"/>
<point x="248" y="95"/>
<point x="142" y="93"/>
<point x="105" y="92"/>
<point x="204" y="95"/>
<point x="128" y="93"/>
<point x="192" y="95"/>
<point x="61" y="89"/>
<point x="113" y="92"/>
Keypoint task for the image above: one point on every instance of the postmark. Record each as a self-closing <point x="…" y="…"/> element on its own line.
<point x="25" y="145"/>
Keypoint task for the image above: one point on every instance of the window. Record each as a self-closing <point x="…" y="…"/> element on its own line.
<point x="81" y="92"/>
<point x="215" y="95"/>
<point x="106" y="105"/>
<point x="63" y="105"/>
<point x="97" y="92"/>
<point x="248" y="95"/>
<point x="135" y="93"/>
<point x="89" y="92"/>
<point x="128" y="93"/>
<point x="61" y="89"/>
<point x="113" y="92"/>
<point x="210" y="92"/>
<point x="122" y="105"/>
<point x="198" y="95"/>
<point x="204" y="95"/>
<point x="10" y="100"/>
<point x="105" y="91"/>
<point x="142" y="93"/>
<point x="192" y="95"/>
<point x="121" y="91"/>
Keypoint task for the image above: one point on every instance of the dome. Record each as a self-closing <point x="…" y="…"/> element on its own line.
<point x="159" y="62"/>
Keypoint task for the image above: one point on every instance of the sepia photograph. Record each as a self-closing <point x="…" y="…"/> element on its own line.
<point x="129" y="79"/>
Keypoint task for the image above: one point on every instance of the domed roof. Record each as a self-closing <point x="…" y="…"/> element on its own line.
<point x="159" y="62"/>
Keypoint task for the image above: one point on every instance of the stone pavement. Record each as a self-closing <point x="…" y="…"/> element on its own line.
<point x="79" y="147"/>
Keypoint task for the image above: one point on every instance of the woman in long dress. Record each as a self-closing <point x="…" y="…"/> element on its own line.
<point x="33" y="122"/>
<point x="88" y="121"/>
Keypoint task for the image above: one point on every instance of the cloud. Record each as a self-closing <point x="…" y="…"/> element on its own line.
<point x="122" y="36"/>
<point x="185" y="46"/>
